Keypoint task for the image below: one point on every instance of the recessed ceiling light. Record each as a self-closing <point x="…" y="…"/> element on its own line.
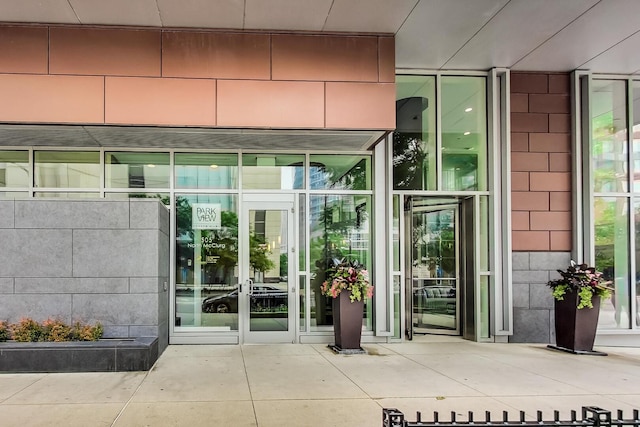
<point x="213" y="166"/>
<point x="468" y="110"/>
<point x="151" y="165"/>
<point x="467" y="133"/>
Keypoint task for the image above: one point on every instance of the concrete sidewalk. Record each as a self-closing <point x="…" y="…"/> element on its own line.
<point x="308" y="385"/>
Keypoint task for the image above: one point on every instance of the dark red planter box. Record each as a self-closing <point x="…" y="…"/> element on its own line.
<point x="347" y="321"/>
<point x="576" y="329"/>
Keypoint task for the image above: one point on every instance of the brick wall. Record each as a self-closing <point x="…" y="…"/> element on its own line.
<point x="540" y="162"/>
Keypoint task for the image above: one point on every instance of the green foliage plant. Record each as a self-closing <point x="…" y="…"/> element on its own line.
<point x="27" y="330"/>
<point x="583" y="280"/>
<point x="5" y="331"/>
<point x="347" y="276"/>
<point x="55" y="330"/>
<point x="82" y="332"/>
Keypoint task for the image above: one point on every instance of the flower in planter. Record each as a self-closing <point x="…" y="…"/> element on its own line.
<point x="347" y="276"/>
<point x="584" y="280"/>
<point x="5" y="332"/>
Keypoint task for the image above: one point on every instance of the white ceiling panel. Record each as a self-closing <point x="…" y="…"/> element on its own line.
<point x="44" y="11"/>
<point x="604" y="25"/>
<point x="622" y="58"/>
<point x="117" y="12"/>
<point x="202" y="13"/>
<point x="308" y="15"/>
<point x="436" y="29"/>
<point x="520" y="27"/>
<point x="380" y="16"/>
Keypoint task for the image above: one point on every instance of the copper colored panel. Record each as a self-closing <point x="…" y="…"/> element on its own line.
<point x="255" y="103"/>
<point x="529" y="122"/>
<point x="519" y="141"/>
<point x="139" y="100"/>
<point x="519" y="103"/>
<point x="561" y="241"/>
<point x="551" y="220"/>
<point x="560" y="201"/>
<point x="519" y="181"/>
<point x="529" y="201"/>
<point x="361" y="105"/>
<point x="520" y="220"/>
<point x="216" y="55"/>
<point x="530" y="240"/>
<point x="550" y="142"/>
<point x="527" y="162"/>
<point x="529" y="83"/>
<point x="560" y="123"/>
<point x="386" y="59"/>
<point x="324" y="58"/>
<point x="559" y="162"/>
<point x="550" y="181"/>
<point x="51" y="99"/>
<point x="23" y="50"/>
<point x="114" y="52"/>
<point x="549" y="103"/>
<point x="559" y="83"/>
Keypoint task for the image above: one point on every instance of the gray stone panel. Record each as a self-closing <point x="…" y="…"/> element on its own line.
<point x="35" y="253"/>
<point x="530" y="326"/>
<point x="145" y="285"/>
<point x="116" y="309"/>
<point x="520" y="261"/>
<point x="111" y="331"/>
<point x="7" y="214"/>
<point x="6" y="286"/>
<point x="540" y="296"/>
<point x="530" y="276"/>
<point x="521" y="295"/>
<point x="163" y="255"/>
<point x="38" y="307"/>
<point x="146" y="214"/>
<point x="549" y="260"/>
<point x="143" y="331"/>
<point x="164" y="220"/>
<point x="72" y="285"/>
<point x="105" y="214"/>
<point x="115" y="253"/>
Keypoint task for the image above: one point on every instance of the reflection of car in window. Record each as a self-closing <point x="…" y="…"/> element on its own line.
<point x="436" y="299"/>
<point x="264" y="298"/>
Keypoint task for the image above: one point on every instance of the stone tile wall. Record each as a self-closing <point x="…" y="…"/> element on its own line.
<point x="532" y="301"/>
<point x="89" y="261"/>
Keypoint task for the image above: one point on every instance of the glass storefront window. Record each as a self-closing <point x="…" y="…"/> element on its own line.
<point x="272" y="171"/>
<point x="414" y="141"/>
<point x="464" y="133"/>
<point x="609" y="149"/>
<point x="137" y="170"/>
<point x="340" y="228"/>
<point x="67" y="195"/>
<point x="340" y="172"/>
<point x="163" y="197"/>
<point x="67" y="169"/>
<point x="611" y="232"/>
<point x="202" y="170"/>
<point x="396" y="232"/>
<point x="14" y="195"/>
<point x="206" y="263"/>
<point x="14" y="169"/>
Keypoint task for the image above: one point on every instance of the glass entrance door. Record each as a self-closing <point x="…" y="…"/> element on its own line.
<point x="434" y="270"/>
<point x="268" y="289"/>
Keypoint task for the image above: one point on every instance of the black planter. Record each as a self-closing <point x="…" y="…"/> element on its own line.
<point x="576" y="329"/>
<point x="347" y="322"/>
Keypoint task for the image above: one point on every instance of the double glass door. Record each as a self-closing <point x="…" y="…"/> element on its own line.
<point x="267" y="290"/>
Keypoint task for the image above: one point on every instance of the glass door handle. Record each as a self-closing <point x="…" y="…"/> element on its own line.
<point x="250" y="283"/>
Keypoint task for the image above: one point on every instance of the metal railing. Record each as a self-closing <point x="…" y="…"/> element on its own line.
<point x="592" y="416"/>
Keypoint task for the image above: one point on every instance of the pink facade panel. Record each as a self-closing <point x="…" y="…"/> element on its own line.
<point x="529" y="201"/>
<point x="138" y="100"/>
<point x="527" y="162"/>
<point x="386" y="59"/>
<point x="551" y="221"/>
<point x="101" y="51"/>
<point x="324" y="58"/>
<point x="361" y="106"/>
<point x="254" y="103"/>
<point x="51" y="99"/>
<point x="530" y="240"/>
<point x="560" y="241"/>
<point x="216" y="55"/>
<point x="24" y="50"/>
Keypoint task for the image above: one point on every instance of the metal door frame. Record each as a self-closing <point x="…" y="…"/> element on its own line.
<point x="262" y="201"/>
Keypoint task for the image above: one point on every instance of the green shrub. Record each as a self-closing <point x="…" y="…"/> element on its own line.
<point x="82" y="332"/>
<point x="55" y="330"/>
<point x="27" y="330"/>
<point x="5" y="332"/>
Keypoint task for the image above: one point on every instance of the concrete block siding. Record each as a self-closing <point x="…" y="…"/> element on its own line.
<point x="87" y="260"/>
<point x="532" y="301"/>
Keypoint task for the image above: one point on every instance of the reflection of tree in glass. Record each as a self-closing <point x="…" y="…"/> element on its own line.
<point x="408" y="159"/>
<point x="354" y="178"/>
<point x="259" y="254"/>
